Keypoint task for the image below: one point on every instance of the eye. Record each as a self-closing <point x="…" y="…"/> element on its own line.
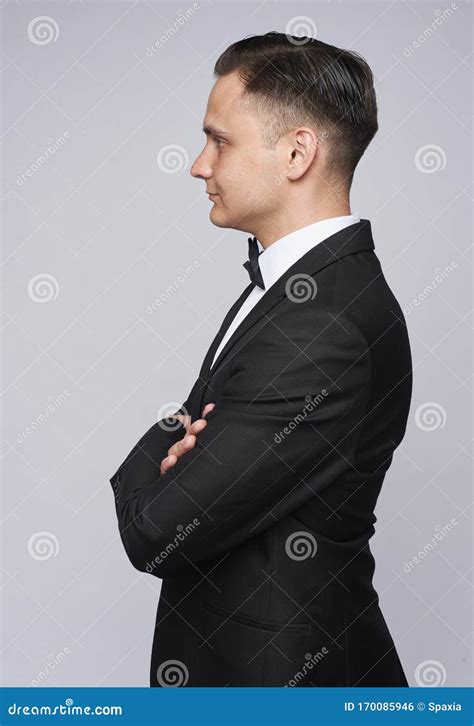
<point x="218" y="141"/>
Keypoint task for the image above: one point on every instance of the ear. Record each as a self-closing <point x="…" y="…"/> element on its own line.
<point x="303" y="150"/>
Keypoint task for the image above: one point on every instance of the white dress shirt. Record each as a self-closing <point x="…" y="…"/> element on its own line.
<point x="280" y="255"/>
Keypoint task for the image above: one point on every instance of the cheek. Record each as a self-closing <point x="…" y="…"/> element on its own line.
<point x="247" y="175"/>
<point x="234" y="174"/>
<point x="264" y="169"/>
<point x="266" y="182"/>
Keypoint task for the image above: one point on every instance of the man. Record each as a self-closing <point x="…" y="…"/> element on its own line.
<point x="258" y="519"/>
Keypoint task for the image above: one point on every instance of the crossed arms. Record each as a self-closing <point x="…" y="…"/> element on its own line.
<point x="285" y="426"/>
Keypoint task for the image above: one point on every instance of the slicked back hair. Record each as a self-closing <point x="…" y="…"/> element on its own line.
<point x="291" y="81"/>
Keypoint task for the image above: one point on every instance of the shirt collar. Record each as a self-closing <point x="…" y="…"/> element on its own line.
<point x="280" y="255"/>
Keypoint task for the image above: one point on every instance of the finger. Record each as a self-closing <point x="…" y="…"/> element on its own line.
<point x="182" y="446"/>
<point x="167" y="463"/>
<point x="188" y="442"/>
<point x="207" y="408"/>
<point x="176" y="448"/>
<point x="185" y="419"/>
<point x="197" y="426"/>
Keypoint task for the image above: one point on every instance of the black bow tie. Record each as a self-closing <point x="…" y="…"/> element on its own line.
<point x="252" y="266"/>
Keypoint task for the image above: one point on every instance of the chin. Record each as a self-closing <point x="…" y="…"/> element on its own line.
<point x="220" y="223"/>
<point x="218" y="219"/>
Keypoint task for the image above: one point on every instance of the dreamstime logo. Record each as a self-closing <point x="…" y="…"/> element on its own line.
<point x="430" y="416"/>
<point x="172" y="158"/>
<point x="51" y="149"/>
<point x="183" y="532"/>
<point x="300" y="546"/>
<point x="43" y="30"/>
<point x="310" y="405"/>
<point x="441" y="17"/>
<point x="69" y="708"/>
<point x="301" y="287"/>
<point x="43" y="545"/>
<point x="430" y="673"/>
<point x="430" y="158"/>
<point x="441" y="534"/>
<point x="166" y="416"/>
<point x="299" y="28"/>
<point x="441" y="275"/>
<point x="43" y="287"/>
<point x="311" y="661"/>
<point x="54" y="403"/>
<point x="53" y="661"/>
<point x="172" y="674"/>
<point x="173" y="287"/>
<point x="182" y="18"/>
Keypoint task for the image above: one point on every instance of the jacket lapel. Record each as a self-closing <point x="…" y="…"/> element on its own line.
<point x="222" y="330"/>
<point x="355" y="238"/>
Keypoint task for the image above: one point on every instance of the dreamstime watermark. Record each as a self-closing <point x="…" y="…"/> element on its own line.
<point x="312" y="403"/>
<point x="311" y="662"/>
<point x="438" y="279"/>
<point x="63" y="709"/>
<point x="172" y="158"/>
<point x="173" y="287"/>
<point x="430" y="673"/>
<point x="183" y="533"/>
<point x="300" y="30"/>
<point x="43" y="288"/>
<point x="43" y="30"/>
<point x="430" y="158"/>
<point x="441" y="534"/>
<point x="441" y="17"/>
<point x="301" y="287"/>
<point x="50" y="150"/>
<point x="301" y="545"/>
<point x="172" y="674"/>
<point x="430" y="416"/>
<point x="181" y="20"/>
<point x="166" y="416"/>
<point x="43" y="545"/>
<point x="53" y="405"/>
<point x="53" y="661"/>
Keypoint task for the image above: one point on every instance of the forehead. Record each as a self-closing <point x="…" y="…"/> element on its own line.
<point x="223" y="106"/>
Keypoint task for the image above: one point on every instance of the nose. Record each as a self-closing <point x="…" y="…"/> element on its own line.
<point x="201" y="168"/>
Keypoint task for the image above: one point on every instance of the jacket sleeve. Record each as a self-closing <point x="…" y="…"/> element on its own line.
<point x="284" y="427"/>
<point x="153" y="446"/>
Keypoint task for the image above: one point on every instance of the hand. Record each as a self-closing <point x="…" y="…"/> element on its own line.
<point x="188" y="441"/>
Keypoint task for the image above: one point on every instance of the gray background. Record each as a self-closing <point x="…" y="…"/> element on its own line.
<point x="100" y="231"/>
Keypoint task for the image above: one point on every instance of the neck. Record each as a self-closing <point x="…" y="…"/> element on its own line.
<point x="290" y="218"/>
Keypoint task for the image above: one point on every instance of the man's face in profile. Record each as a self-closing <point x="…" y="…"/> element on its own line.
<point x="235" y="165"/>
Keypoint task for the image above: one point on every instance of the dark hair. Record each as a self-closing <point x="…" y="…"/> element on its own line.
<point x="291" y="80"/>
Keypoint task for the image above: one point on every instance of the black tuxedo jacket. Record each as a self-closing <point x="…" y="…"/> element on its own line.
<point x="261" y="532"/>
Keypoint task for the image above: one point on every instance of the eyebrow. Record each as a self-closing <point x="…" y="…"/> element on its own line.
<point x="209" y="129"/>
